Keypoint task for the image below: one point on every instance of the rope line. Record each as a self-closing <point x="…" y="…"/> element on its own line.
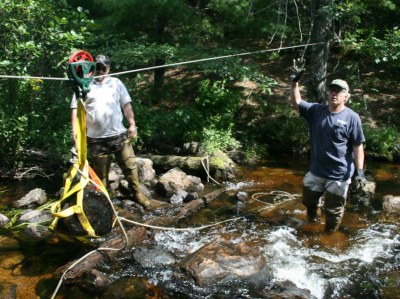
<point x="280" y="198"/>
<point x="207" y="170"/>
<point x="33" y="77"/>
<point x="179" y="229"/>
<point x="168" y="65"/>
<point x="213" y="58"/>
<point x="76" y="263"/>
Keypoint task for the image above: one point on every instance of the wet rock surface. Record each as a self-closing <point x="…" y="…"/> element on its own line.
<point x="222" y="261"/>
<point x="36" y="197"/>
<point x="3" y="220"/>
<point x="228" y="266"/>
<point x="153" y="257"/>
<point x="391" y="204"/>
<point x="174" y="180"/>
<point x="362" y="194"/>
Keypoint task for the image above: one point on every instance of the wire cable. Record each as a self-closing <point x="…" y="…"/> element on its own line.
<point x="167" y="65"/>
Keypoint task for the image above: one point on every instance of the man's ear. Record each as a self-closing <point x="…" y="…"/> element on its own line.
<point x="348" y="95"/>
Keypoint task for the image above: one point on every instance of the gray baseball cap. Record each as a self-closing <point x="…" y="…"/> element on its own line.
<point x="104" y="60"/>
<point x="341" y="83"/>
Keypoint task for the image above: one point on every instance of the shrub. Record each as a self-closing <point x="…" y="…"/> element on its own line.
<point x="381" y="142"/>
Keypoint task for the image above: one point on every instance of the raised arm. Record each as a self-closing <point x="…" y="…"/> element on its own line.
<point x="295" y="96"/>
<point x="296" y="73"/>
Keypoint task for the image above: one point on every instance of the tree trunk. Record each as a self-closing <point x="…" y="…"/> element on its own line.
<point x="321" y="32"/>
<point x="159" y="74"/>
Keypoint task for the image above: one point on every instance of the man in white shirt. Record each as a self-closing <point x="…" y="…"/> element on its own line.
<point x="106" y="134"/>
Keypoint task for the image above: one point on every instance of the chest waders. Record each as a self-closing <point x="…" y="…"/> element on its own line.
<point x="84" y="208"/>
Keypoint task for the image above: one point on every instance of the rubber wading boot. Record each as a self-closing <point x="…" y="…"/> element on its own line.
<point x="101" y="166"/>
<point x="334" y="210"/>
<point x="127" y="162"/>
<point x="311" y="201"/>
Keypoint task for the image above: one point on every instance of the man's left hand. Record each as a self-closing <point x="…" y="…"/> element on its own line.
<point x="360" y="179"/>
<point x="132" y="132"/>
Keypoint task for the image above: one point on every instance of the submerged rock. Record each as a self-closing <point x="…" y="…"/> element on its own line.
<point x="153" y="257"/>
<point x="222" y="261"/>
<point x="242" y="195"/>
<point x="10" y="260"/>
<point x="95" y="280"/>
<point x="288" y="290"/>
<point x="132" y="287"/>
<point x="8" y="290"/>
<point x="391" y="204"/>
<point x="7" y="243"/>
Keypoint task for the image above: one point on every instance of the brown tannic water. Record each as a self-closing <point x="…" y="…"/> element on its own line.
<point x="362" y="260"/>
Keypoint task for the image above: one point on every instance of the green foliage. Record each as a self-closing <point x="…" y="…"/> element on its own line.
<point x="381" y="142"/>
<point x="36" y="37"/>
<point x="214" y="140"/>
<point x="13" y="138"/>
<point x="216" y="106"/>
<point x="195" y="102"/>
<point x="285" y="131"/>
<point x="386" y="50"/>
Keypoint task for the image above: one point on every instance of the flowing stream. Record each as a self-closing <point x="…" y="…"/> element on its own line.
<point x="362" y="260"/>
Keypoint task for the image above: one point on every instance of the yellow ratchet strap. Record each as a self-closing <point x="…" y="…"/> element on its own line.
<point x="87" y="174"/>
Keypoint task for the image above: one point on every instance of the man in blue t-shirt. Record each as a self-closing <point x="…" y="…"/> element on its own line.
<point x="336" y="138"/>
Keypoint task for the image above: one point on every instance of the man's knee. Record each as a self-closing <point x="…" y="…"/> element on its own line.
<point x="101" y="166"/>
<point x="311" y="198"/>
<point x="334" y="210"/>
<point x="126" y="156"/>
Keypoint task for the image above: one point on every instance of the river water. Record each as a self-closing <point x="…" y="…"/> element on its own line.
<point x="362" y="260"/>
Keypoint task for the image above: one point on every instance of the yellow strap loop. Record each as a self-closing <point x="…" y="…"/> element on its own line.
<point x="87" y="173"/>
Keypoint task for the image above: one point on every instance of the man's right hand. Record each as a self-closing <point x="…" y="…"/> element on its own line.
<point x="297" y="70"/>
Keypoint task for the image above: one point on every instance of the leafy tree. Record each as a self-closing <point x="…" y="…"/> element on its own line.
<point x="36" y="39"/>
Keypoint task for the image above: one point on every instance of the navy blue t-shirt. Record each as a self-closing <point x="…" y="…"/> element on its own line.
<point x="333" y="135"/>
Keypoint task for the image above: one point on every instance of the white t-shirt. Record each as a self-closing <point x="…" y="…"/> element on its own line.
<point x="103" y="105"/>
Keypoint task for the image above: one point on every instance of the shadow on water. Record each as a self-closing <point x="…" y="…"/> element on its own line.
<point x="361" y="260"/>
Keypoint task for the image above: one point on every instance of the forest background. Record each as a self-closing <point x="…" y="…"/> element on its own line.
<point x="235" y="104"/>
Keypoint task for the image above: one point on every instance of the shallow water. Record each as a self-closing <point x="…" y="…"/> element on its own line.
<point x="362" y="260"/>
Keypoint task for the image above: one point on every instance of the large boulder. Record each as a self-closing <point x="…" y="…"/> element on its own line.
<point x="222" y="261"/>
<point x="146" y="171"/>
<point x="175" y="179"/>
